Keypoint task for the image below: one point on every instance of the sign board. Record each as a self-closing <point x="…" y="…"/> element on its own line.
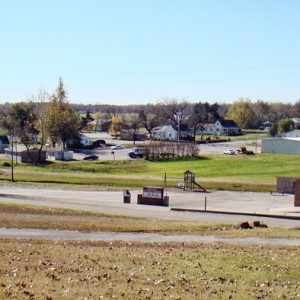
<point x="286" y="184"/>
<point x="297" y="187"/>
<point x="297" y="192"/>
<point x="153" y="192"/>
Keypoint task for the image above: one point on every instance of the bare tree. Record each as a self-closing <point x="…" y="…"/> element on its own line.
<point x="176" y="111"/>
<point x="149" y="118"/>
<point x="40" y="100"/>
<point x="131" y="124"/>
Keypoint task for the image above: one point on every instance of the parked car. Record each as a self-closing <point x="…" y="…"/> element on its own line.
<point x="229" y="151"/>
<point x="91" y="157"/>
<point x="99" y="143"/>
<point x="117" y="147"/>
<point x="180" y="185"/>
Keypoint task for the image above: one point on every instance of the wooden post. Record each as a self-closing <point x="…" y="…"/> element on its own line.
<point x="12" y="161"/>
<point x="166" y="181"/>
<point x="205" y="201"/>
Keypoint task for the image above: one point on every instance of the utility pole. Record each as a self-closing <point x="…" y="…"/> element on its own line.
<point x="256" y="142"/>
<point x="12" y="160"/>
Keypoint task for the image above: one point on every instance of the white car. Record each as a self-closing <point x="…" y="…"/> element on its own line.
<point x="117" y="147"/>
<point x="229" y="151"/>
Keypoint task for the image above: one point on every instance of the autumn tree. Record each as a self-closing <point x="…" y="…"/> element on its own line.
<point x="61" y="121"/>
<point x="242" y="113"/>
<point x="85" y="122"/>
<point x="115" y="127"/>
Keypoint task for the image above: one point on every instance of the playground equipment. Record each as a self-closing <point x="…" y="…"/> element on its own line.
<point x="190" y="183"/>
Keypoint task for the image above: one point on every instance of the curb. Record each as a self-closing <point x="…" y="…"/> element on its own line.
<point x="235" y="213"/>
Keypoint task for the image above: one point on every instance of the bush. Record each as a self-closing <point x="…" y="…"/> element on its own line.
<point x="167" y="150"/>
<point x="6" y="164"/>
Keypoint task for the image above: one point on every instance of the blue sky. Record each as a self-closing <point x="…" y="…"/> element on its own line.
<point x="123" y="52"/>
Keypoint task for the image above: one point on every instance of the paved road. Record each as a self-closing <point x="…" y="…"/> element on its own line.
<point x="138" y="237"/>
<point x="106" y="153"/>
<point x="112" y="202"/>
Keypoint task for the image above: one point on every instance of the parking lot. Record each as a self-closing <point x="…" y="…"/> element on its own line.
<point x="106" y="152"/>
<point x="112" y="202"/>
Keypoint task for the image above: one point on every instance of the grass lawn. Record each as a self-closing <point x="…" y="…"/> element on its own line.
<point x="116" y="270"/>
<point x="216" y="171"/>
<point x="250" y="135"/>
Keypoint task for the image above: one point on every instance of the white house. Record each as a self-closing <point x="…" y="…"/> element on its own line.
<point x="169" y="133"/>
<point x="221" y="127"/>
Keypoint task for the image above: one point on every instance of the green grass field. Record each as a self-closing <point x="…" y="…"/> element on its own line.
<point x="250" y="135"/>
<point x="244" y="172"/>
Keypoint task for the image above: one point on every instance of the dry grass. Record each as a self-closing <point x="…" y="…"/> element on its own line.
<point x="20" y="216"/>
<point x="103" y="270"/>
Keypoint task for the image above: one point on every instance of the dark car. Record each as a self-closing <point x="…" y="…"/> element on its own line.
<point x="99" y="143"/>
<point x="91" y="157"/>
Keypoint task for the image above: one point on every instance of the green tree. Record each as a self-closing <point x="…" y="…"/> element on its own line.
<point x="21" y="123"/>
<point x="286" y="125"/>
<point x="242" y="113"/>
<point x="273" y="131"/>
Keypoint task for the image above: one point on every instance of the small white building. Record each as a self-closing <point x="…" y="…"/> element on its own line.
<point x="63" y="155"/>
<point x="88" y="138"/>
<point x="281" y="145"/>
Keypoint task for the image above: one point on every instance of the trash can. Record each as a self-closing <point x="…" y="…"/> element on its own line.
<point x="126" y="196"/>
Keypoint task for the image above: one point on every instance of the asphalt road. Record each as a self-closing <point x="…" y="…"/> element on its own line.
<point x="112" y="202"/>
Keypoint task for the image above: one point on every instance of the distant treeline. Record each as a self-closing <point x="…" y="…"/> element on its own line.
<point x="246" y="113"/>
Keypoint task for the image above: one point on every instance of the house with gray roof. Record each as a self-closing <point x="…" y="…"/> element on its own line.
<point x="221" y="127"/>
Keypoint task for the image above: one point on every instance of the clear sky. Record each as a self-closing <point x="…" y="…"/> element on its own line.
<point x="139" y="51"/>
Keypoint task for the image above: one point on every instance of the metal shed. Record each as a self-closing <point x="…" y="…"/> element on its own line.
<point x="281" y="145"/>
